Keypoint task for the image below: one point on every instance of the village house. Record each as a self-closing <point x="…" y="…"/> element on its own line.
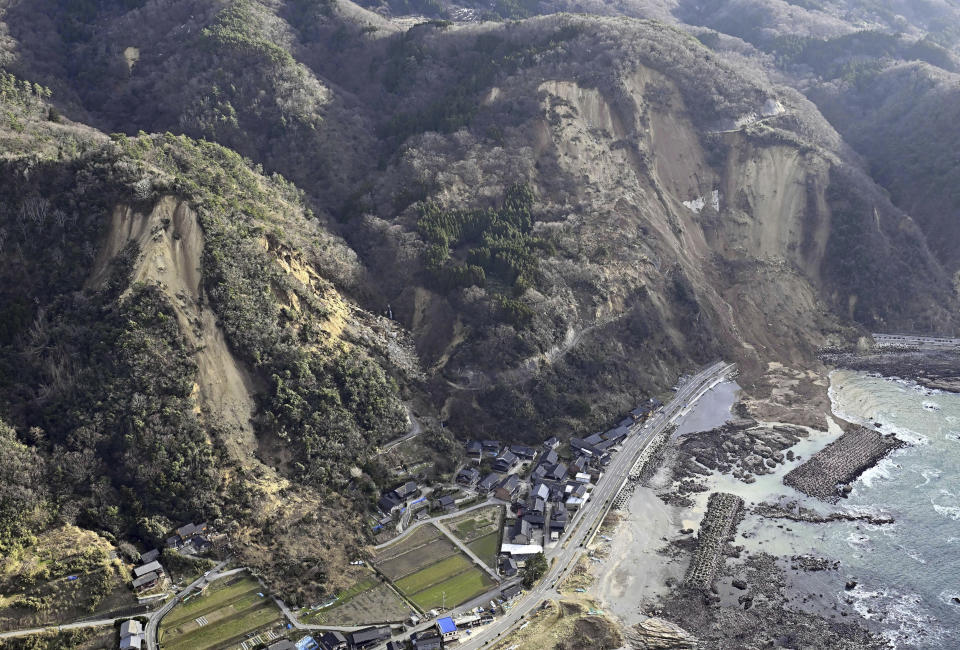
<point x="474" y="449"/>
<point x="468" y="476"/>
<point x="447" y="503"/>
<point x="154" y="567"/>
<point x="447" y="629"/>
<point x="540" y="491"/>
<point x="520" y="534"/>
<point x="549" y="458"/>
<point x="523" y="452"/>
<point x="427" y="640"/>
<point x="505" y="462"/>
<point x="558" y="520"/>
<point x="510" y="593"/>
<point x="581" y="446"/>
<point x="558" y="472"/>
<point x="488" y="483"/>
<point x="131" y="635"/>
<point x="490" y="447"/>
<point x="508" y="488"/>
<point x="146" y="581"/>
<point x="333" y="641"/>
<point x="282" y="644"/>
<point x="397" y="497"/>
<point x="535" y="519"/>
<point x="368" y="637"/>
<point x="520" y="552"/>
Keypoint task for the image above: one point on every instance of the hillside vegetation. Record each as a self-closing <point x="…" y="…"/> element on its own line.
<point x="237" y="236"/>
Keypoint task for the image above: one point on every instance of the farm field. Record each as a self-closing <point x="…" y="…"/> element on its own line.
<point x="222" y="617"/>
<point x="430" y="571"/>
<point x="453" y="591"/>
<point x="425" y="546"/>
<point x="487" y="548"/>
<point x="368" y="601"/>
<point x="417" y="538"/>
<point x="433" y="574"/>
<point x="477" y="524"/>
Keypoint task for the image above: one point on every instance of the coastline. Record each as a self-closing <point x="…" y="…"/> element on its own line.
<point x="761" y="584"/>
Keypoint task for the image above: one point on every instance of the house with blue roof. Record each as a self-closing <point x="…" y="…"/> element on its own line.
<point x="307" y="643"/>
<point x="447" y="629"/>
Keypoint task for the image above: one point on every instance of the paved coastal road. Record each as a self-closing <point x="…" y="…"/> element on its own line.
<point x="103" y="622"/>
<point x="564" y="555"/>
<point x="883" y="340"/>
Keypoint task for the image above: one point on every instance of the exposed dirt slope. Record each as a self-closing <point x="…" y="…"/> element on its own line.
<point x="169" y="241"/>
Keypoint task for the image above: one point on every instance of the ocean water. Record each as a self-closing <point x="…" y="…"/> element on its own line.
<point x="908" y="572"/>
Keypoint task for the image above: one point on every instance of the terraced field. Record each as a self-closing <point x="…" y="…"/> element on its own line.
<point x="368" y="601"/>
<point x="477" y="524"/>
<point x="424" y="547"/>
<point x="487" y="548"/>
<point x="430" y="571"/>
<point x="454" y="590"/>
<point x="480" y="530"/>
<point x="433" y="574"/>
<point x="224" y="616"/>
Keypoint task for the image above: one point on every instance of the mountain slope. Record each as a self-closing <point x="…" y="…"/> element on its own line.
<point x="559" y="216"/>
<point x="162" y="303"/>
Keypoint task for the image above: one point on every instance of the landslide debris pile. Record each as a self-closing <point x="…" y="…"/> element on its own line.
<point x="659" y="634"/>
<point x="827" y="473"/>
<point x="719" y="523"/>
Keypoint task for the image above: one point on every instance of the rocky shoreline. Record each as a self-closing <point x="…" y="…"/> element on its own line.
<point x="743" y="448"/>
<point x="796" y="512"/>
<point x="728" y="597"/>
<point x="939" y="370"/>
<point x="759" y="617"/>
<point x="828" y="473"/>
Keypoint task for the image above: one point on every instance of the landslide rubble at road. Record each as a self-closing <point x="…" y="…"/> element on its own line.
<point x="937" y="369"/>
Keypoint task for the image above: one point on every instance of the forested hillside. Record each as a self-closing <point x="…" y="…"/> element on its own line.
<point x="239" y="237"/>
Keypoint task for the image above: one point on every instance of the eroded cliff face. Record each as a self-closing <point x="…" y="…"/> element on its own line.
<point x="676" y="240"/>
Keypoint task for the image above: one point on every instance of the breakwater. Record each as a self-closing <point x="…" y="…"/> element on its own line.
<point x="719" y="523"/>
<point x="827" y="474"/>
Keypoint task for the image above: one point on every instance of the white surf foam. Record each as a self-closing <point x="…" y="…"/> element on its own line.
<point x="946" y="504"/>
<point x="928" y="475"/>
<point x="902" y="616"/>
<point x="882" y="471"/>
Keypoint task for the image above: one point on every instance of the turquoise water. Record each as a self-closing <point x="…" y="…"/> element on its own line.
<point x="908" y="572"/>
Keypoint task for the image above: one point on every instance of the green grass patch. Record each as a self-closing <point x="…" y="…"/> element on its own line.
<point x="458" y="589"/>
<point x="486" y="548"/>
<point x="464" y="528"/>
<point x="433" y="574"/>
